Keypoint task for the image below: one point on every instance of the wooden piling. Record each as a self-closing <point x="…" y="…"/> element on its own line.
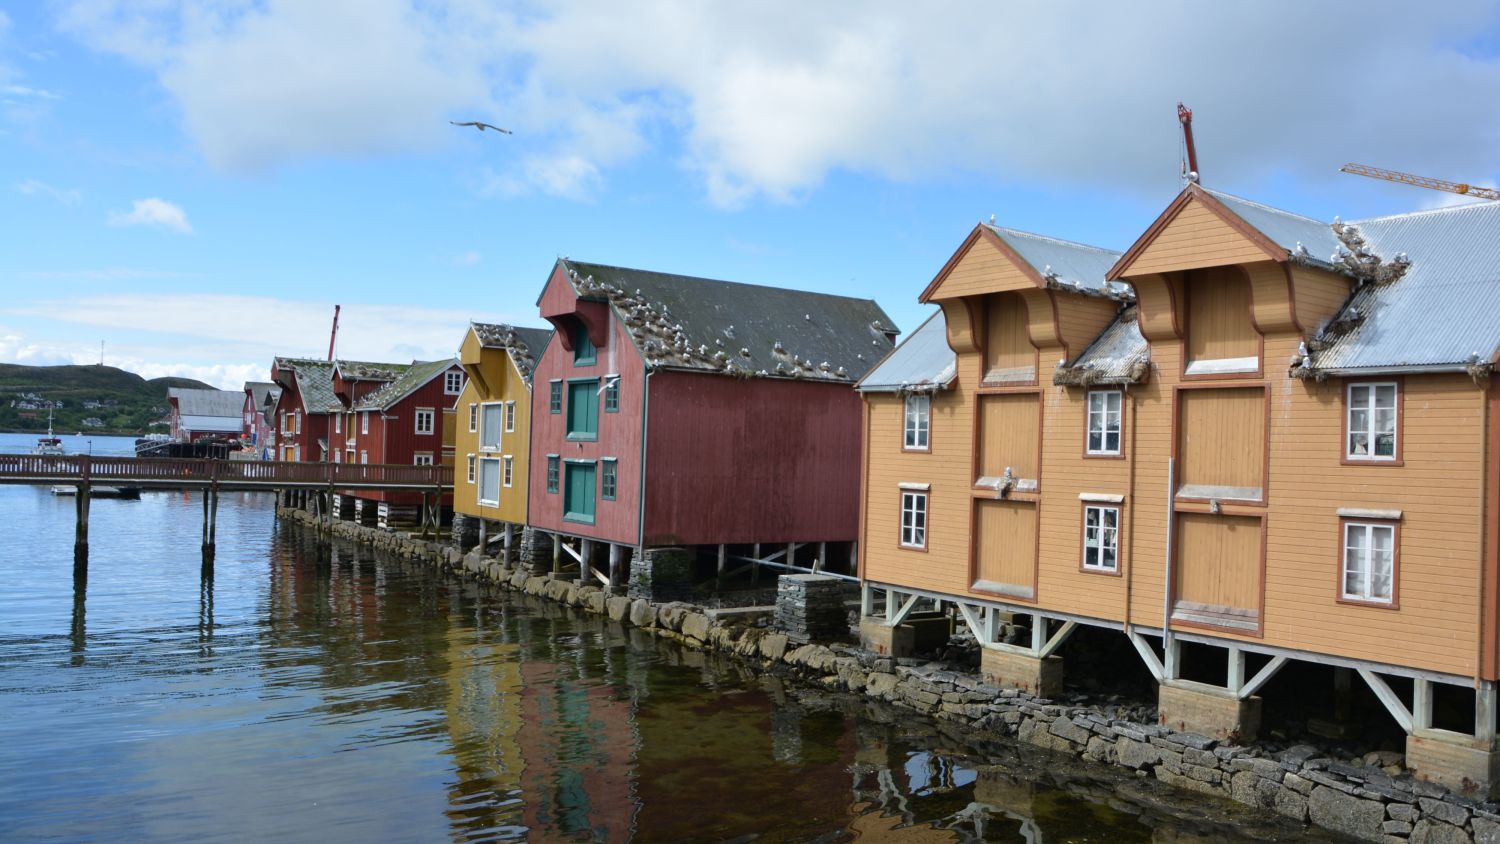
<point x="81" y="526"/>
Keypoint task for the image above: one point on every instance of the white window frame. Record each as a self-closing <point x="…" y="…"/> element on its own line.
<point x="507" y="470"/>
<point x="499" y="428"/>
<point x="1369" y="408"/>
<point x="1102" y="415"/>
<point x="1364" y="558"/>
<point x="1108" y="538"/>
<point x="364" y="457"/>
<point x="473" y="418"/>
<point x="479" y="491"/>
<point x="510" y="417"/>
<point x="473" y="470"/>
<point x="453" y="383"/>
<point x="430" y="416"/>
<point x="913" y="505"/>
<point x="338" y="423"/>
<point x="421" y="458"/>
<point x="297" y="419"/>
<point x="916" y="429"/>
<point x="286" y="422"/>
<point x="364" y="422"/>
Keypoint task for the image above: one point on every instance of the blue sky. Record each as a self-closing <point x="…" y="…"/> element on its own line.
<point x="196" y="184"/>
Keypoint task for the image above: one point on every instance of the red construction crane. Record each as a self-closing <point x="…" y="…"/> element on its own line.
<point x="1420" y="181"/>
<point x="333" y="335"/>
<point x="1185" y="117"/>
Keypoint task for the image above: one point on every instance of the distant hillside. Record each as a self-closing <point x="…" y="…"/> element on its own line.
<point x="122" y="401"/>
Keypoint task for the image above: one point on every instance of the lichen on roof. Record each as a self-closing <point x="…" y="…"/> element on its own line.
<point x="359" y="370"/>
<point x="416" y="374"/>
<point x="314" y="380"/>
<point x="523" y="344"/>
<point x="744" y="330"/>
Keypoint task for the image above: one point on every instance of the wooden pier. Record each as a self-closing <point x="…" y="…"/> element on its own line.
<point x="215" y="476"/>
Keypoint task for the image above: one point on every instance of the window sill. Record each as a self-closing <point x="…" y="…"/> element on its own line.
<point x="1114" y="572"/>
<point x="1347" y="460"/>
<point x="1369" y="602"/>
<point x="582" y="520"/>
<point x="583" y="438"/>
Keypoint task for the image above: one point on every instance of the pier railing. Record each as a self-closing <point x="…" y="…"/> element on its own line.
<point x="228" y="474"/>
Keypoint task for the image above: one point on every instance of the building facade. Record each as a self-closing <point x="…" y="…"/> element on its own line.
<point x="304" y="409"/>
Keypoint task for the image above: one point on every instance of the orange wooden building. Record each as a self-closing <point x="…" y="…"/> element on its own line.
<point x="1253" y="436"/>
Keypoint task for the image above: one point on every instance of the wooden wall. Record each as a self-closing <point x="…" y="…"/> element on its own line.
<point x="499" y="382"/>
<point x="1010" y="435"/>
<point x="1222" y="436"/>
<point x="1219" y="317"/>
<point x="1009" y="356"/>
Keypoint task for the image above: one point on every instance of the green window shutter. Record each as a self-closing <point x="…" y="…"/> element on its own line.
<point x="584" y="353"/>
<point x="578" y="498"/>
<point x="583" y="410"/>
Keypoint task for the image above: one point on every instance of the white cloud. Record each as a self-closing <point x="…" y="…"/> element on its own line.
<point x="152" y="212"/>
<point x="766" y="100"/>
<point x="33" y="187"/>
<point x="466" y="259"/>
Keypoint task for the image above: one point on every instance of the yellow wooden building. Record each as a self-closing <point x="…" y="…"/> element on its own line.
<point x="1253" y="438"/>
<point x="492" y="430"/>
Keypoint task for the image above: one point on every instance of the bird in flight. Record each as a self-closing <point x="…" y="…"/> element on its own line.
<point x="480" y="126"/>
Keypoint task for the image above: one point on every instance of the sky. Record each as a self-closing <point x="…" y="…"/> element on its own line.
<point x="195" y="185"/>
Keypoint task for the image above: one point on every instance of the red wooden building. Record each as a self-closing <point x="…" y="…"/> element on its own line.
<point x="304" y="410"/>
<point x="258" y="418"/>
<point x="203" y="414"/>
<point x="397" y="421"/>
<point x="672" y="412"/>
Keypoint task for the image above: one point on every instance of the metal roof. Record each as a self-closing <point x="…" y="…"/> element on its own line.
<point x="682" y="322"/>
<point x="416" y="374"/>
<point x="1285" y="229"/>
<point x="1442" y="311"/>
<point x="923" y="361"/>
<point x="220" y="403"/>
<point x="1071" y="266"/>
<point x="1119" y="355"/>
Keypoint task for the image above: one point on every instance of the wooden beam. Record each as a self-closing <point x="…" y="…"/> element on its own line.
<point x="1261" y="677"/>
<point x="1142" y="647"/>
<point x="1392" y="703"/>
<point x="1058" y="638"/>
<point x="895" y="616"/>
<point x="976" y="625"/>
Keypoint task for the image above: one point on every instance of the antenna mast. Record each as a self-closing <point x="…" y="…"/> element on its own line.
<point x="1185" y="117"/>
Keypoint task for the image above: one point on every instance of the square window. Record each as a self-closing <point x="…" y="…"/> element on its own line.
<point x="422" y="458"/>
<point x="1369" y="562"/>
<point x="918" y="423"/>
<point x="1101" y="539"/>
<point x="914" y="520"/>
<point x="554" y="397"/>
<point x="607" y="480"/>
<point x="1104" y="422"/>
<point x="553" y="468"/>
<point x="453" y="383"/>
<point x="1371" y="422"/>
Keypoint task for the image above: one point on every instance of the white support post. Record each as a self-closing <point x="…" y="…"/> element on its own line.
<point x="900" y="615"/>
<point x="976" y="625"/>
<point x="1148" y="655"/>
<point x="822" y="556"/>
<point x="1421" y="704"/>
<point x="1057" y="639"/>
<point x="791" y="553"/>
<point x="854" y="558"/>
<point x="723" y="558"/>
<point x="1171" y="664"/>
<point x="1038" y="633"/>
<point x="991" y="625"/>
<point x="509" y="539"/>
<point x="1261" y="677"/>
<point x="484" y="535"/>
<point x="1236" y="671"/>
<point x="614" y="565"/>
<point x="1484" y="713"/>
<point x="1392" y="703"/>
<point x="890" y="607"/>
<point x="866" y="600"/>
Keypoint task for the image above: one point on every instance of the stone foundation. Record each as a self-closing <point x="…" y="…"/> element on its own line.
<point x="810" y="607"/>
<point x="1040" y="677"/>
<point x="535" y="553"/>
<point x="662" y="574"/>
<point x="877" y="638"/>
<point x="464" y="533"/>
<point x="1455" y="764"/>
<point x="1219" y="716"/>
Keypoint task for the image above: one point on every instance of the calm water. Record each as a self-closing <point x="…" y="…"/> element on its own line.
<point x="304" y="694"/>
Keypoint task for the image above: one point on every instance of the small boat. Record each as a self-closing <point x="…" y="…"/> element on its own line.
<point x="50" y="445"/>
<point x="128" y="493"/>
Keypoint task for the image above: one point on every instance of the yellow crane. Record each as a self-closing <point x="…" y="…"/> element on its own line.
<point x="1421" y="181"/>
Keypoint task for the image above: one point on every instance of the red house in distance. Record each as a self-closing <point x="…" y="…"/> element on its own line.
<point x="691" y="425"/>
<point x="303" y="413"/>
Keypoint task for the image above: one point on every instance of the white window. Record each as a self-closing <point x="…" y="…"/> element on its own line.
<point x="338" y="423"/>
<point x="1369" y="562"/>
<point x="337" y="455"/>
<point x="286" y="423"/>
<point x="422" y="458"/>
<point x="510" y="416"/>
<point x="489" y="426"/>
<point x="1104" y="422"/>
<point x="510" y="465"/>
<point x="424" y="417"/>
<point x="918" y="422"/>
<point x="1372" y="422"/>
<point x="1101" y="538"/>
<point x="453" y="383"/>
<point x="473" y="417"/>
<point x="364" y="457"/>
<point x="471" y="468"/>
<point x="489" y="481"/>
<point x="914" y="520"/>
<point x="297" y="421"/>
<point x="364" y="422"/>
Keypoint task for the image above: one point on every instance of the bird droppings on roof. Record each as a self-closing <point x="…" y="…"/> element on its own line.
<point x="523" y="344"/>
<point x="416" y="374"/>
<point x="1119" y="355"/>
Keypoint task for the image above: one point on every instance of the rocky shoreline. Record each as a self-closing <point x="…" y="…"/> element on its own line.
<point x="1356" y="798"/>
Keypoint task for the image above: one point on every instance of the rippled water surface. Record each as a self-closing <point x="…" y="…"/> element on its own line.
<point x="297" y="693"/>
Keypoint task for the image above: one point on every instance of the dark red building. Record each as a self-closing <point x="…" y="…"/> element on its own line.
<point x="303" y="412"/>
<point x="258" y="418"/>
<point x="707" y="415"/>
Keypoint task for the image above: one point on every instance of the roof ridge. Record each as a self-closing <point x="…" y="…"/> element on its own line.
<point x="1052" y="239"/>
<point x="1425" y="212"/>
<point x="795" y="290"/>
<point x="1265" y="207"/>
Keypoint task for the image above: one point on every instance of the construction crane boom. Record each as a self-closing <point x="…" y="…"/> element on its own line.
<point x="1421" y="181"/>
<point x="333" y="335"/>
<point x="1185" y="117"/>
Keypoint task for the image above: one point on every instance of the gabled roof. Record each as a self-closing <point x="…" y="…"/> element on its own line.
<point x="1443" y="311"/>
<point x="921" y="363"/>
<point x="417" y="374"/>
<point x="525" y="345"/>
<point x="1050" y="263"/>
<point x="1119" y="355"/>
<point x="683" y="322"/>
<point x="314" y="383"/>
<point x="192" y="402"/>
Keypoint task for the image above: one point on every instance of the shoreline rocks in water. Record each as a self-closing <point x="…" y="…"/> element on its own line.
<point x="1356" y="798"/>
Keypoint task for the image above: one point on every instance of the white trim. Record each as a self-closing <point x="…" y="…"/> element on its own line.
<point x="1367" y="593"/>
<point x="1370" y="432"/>
<point x="473" y="474"/>
<point x="499" y="426"/>
<point x="416" y="419"/>
<point x="507" y="470"/>
<point x="416" y="458"/>
<point x="1101" y="498"/>
<point x="448" y="377"/>
<point x="1109" y="539"/>
<point x="364" y="422"/>
<point x="912" y="486"/>
<point x="1103" y="414"/>
<point x="916" y="423"/>
<point x="473" y="417"/>
<point x="479" y="486"/>
<point x="1221" y="366"/>
<point x="1363" y="513"/>
<point x="918" y="532"/>
<point x="510" y="417"/>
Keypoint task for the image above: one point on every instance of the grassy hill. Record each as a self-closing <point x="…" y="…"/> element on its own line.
<point x="130" y="403"/>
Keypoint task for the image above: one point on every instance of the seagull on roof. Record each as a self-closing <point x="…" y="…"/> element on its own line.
<point x="480" y="126"/>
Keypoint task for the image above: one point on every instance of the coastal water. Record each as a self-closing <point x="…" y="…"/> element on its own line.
<point x="298" y="693"/>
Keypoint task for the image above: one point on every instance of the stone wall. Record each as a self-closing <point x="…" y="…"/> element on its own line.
<point x="1360" y="800"/>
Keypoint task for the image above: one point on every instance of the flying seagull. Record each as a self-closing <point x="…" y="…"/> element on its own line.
<point x="480" y="126"/>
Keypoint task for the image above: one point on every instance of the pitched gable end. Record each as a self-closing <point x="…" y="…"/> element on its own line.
<point x="1196" y="230"/>
<point x="983" y="264"/>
